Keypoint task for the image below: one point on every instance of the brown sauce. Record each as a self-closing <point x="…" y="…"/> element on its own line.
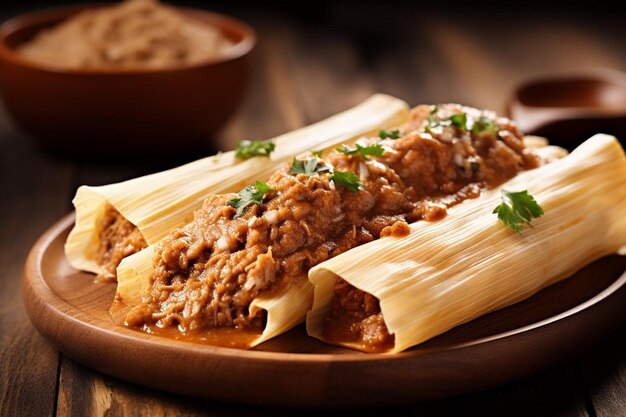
<point x="221" y="336"/>
<point x="208" y="273"/>
<point x="216" y="336"/>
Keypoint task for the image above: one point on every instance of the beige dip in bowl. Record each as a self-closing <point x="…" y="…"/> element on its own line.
<point x="134" y="34"/>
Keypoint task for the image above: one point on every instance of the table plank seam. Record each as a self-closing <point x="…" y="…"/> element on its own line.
<point x="57" y="385"/>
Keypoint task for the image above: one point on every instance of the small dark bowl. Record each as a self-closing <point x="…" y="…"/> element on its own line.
<point x="570" y="108"/>
<point x="121" y="111"/>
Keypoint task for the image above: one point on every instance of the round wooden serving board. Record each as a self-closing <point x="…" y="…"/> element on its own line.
<point x="71" y="310"/>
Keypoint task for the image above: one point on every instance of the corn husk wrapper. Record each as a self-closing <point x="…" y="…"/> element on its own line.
<point x="288" y="307"/>
<point x="159" y="202"/>
<point x="449" y="272"/>
<point x="285" y="308"/>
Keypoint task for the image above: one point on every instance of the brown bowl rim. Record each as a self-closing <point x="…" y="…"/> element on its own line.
<point x="49" y="14"/>
<point x="606" y="75"/>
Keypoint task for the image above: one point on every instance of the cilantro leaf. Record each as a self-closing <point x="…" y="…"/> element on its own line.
<point x="517" y="209"/>
<point x="347" y="179"/>
<point x="484" y="124"/>
<point x="375" y="150"/>
<point x="459" y="120"/>
<point x="389" y="134"/>
<point x="251" y="148"/>
<point x="251" y="194"/>
<point x="317" y="153"/>
<point x="308" y="166"/>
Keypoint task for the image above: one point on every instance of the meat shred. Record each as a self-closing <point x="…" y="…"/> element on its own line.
<point x="118" y="238"/>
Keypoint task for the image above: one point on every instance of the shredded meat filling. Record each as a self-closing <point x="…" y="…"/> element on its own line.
<point x="119" y="238"/>
<point x="208" y="273"/>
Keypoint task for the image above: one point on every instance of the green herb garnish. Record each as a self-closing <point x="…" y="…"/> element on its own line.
<point x="459" y="120"/>
<point x="375" y="150"/>
<point x="484" y="124"/>
<point x="517" y="208"/>
<point x="308" y="166"/>
<point x="251" y="148"/>
<point x="389" y="134"/>
<point x="317" y="153"/>
<point x="347" y="179"/>
<point x="251" y="194"/>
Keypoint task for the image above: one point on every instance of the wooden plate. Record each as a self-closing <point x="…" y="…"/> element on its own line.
<point x="70" y="309"/>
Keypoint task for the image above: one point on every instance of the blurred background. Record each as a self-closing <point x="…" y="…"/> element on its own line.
<point x="314" y="59"/>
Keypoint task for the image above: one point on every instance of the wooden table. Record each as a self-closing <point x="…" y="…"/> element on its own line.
<point x="309" y="66"/>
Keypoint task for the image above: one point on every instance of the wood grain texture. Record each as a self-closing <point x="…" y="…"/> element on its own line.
<point x="389" y="49"/>
<point x="84" y="392"/>
<point x="28" y="365"/>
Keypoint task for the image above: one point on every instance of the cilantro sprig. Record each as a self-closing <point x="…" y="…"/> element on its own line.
<point x="389" y="134"/>
<point x="251" y="194"/>
<point x="308" y="167"/>
<point x="484" y="124"/>
<point x="251" y="148"/>
<point x="317" y="153"/>
<point x="347" y="179"/>
<point x="459" y="120"/>
<point x="517" y="209"/>
<point x="374" y="150"/>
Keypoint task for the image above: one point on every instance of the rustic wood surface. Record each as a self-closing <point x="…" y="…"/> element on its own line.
<point x="71" y="309"/>
<point x="308" y="66"/>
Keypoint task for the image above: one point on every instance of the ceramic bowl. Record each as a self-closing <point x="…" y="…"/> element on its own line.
<point x="122" y="111"/>
<point x="569" y="108"/>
